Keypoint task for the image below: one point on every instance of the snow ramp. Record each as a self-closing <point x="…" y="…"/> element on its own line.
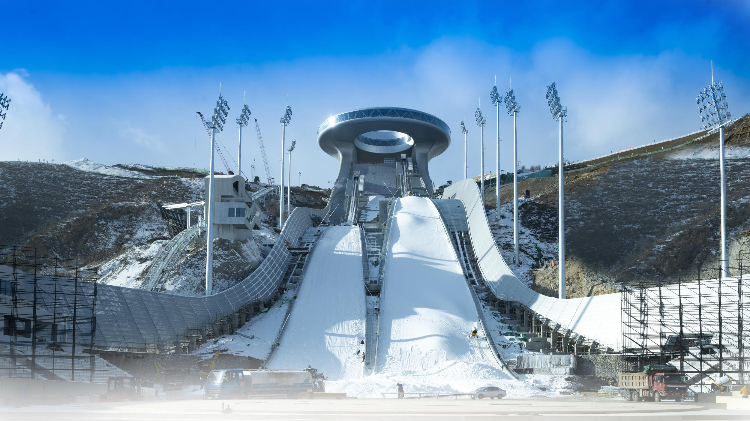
<point x="427" y="311"/>
<point x="328" y="320"/>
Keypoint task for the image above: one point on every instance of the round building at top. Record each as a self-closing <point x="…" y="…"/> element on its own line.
<point x="390" y="146"/>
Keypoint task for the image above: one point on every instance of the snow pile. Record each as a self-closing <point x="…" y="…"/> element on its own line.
<point x="84" y="164"/>
<point x="328" y="319"/>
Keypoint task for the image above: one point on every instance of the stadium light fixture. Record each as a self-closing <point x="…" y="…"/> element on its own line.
<point x="242" y="121"/>
<point x="513" y="108"/>
<point x="216" y="125"/>
<point x="4" y="104"/>
<point x="559" y="113"/>
<point x="465" y="131"/>
<point x="284" y="120"/>
<point x="289" y="178"/>
<point x="714" y="111"/>
<point x="496" y="101"/>
<point x="481" y="122"/>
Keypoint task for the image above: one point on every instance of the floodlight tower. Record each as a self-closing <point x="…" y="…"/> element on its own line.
<point x="712" y="104"/>
<point x="242" y="121"/>
<point x="465" y="132"/>
<point x="285" y="119"/>
<point x="289" y="178"/>
<point x="513" y="108"/>
<point x="496" y="101"/>
<point x="559" y="113"/>
<point x="481" y="122"/>
<point x="4" y="103"/>
<point x="216" y="124"/>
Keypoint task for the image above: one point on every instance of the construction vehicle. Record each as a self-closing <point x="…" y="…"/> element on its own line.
<point x="171" y="379"/>
<point x="656" y="382"/>
<point x="722" y="385"/>
<point x="121" y="389"/>
<point x="240" y="383"/>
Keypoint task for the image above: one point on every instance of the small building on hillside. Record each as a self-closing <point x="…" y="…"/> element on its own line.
<point x="235" y="214"/>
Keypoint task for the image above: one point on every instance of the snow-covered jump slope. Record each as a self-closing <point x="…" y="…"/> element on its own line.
<point x="328" y="319"/>
<point x="598" y="318"/>
<point x="426" y="308"/>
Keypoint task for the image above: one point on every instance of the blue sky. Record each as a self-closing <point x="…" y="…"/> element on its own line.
<point x="121" y="82"/>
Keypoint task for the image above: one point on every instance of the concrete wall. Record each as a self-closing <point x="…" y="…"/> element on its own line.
<point x="30" y="391"/>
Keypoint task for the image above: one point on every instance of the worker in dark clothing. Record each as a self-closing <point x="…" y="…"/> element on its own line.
<point x="400" y="390"/>
<point x="363" y="357"/>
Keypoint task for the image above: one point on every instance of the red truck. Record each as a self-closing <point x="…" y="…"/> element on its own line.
<point x="656" y="382"/>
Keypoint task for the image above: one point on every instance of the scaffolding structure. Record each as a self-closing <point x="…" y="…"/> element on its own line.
<point x="697" y="326"/>
<point x="48" y="322"/>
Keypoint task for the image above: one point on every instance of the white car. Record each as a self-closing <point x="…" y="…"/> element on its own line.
<point x="491" y="392"/>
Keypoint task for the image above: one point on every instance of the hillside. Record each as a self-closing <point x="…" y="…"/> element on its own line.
<point x="643" y="214"/>
<point x="107" y="218"/>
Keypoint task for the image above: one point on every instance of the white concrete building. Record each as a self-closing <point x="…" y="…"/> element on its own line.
<point x="234" y="212"/>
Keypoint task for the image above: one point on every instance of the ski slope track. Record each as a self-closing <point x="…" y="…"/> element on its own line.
<point x="598" y="317"/>
<point x="328" y="319"/>
<point x="427" y="311"/>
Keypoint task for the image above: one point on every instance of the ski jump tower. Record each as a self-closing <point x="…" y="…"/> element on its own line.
<point x="369" y="139"/>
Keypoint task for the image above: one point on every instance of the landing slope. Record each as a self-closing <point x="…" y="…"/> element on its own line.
<point x="427" y="311"/>
<point x="328" y="319"/>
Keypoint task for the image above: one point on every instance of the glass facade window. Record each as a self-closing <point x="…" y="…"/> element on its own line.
<point x="231" y="212"/>
<point x="241" y="212"/>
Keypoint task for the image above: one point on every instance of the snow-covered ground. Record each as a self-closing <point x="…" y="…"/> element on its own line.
<point x="255" y="338"/>
<point x="327" y="322"/>
<point x="84" y="164"/>
<point x="730" y="152"/>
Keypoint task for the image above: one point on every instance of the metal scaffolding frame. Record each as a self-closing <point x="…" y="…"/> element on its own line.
<point x="48" y="322"/>
<point x="698" y="326"/>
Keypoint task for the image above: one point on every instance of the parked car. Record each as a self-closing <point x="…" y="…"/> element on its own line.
<point x="491" y="392"/>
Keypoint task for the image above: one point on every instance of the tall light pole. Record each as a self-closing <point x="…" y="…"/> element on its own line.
<point x="300" y="179"/>
<point x="242" y="121"/>
<point x="712" y="104"/>
<point x="481" y="122"/>
<point x="465" y="132"/>
<point x="285" y="119"/>
<point x="513" y="108"/>
<point x="216" y="125"/>
<point x="496" y="100"/>
<point x="559" y="113"/>
<point x="289" y="178"/>
<point x="4" y="104"/>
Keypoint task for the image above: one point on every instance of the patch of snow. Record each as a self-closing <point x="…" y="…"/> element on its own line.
<point x="712" y="153"/>
<point x="84" y="164"/>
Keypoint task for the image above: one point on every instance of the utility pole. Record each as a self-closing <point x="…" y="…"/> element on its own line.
<point x="481" y="122"/>
<point x="289" y="179"/>
<point x="285" y="119"/>
<point x="465" y="132"/>
<point x="513" y="108"/>
<point x="559" y="113"/>
<point x="217" y="124"/>
<point x="495" y="97"/>
<point x="712" y="104"/>
<point x="242" y="121"/>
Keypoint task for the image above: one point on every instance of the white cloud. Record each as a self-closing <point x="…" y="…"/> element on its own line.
<point x="142" y="138"/>
<point x="31" y="131"/>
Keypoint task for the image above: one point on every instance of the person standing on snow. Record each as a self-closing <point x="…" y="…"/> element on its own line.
<point x="400" y="390"/>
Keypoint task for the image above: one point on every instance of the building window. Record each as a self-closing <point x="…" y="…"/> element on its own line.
<point x="231" y="212"/>
<point x="241" y="212"/>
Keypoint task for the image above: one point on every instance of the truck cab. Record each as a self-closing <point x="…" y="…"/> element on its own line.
<point x="225" y="383"/>
<point x="669" y="385"/>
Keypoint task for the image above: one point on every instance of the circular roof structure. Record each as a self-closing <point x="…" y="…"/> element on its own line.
<point x="384" y="130"/>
